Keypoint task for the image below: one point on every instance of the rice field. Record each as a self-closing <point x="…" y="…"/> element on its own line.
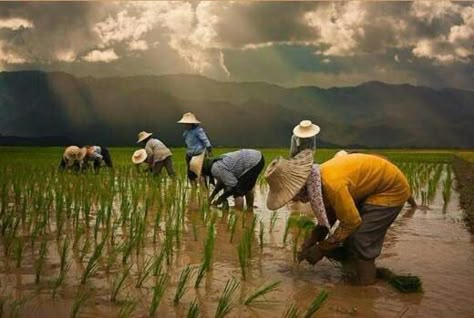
<point x="122" y="243"/>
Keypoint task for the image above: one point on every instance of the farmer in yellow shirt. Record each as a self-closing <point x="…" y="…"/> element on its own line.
<point x="364" y="192"/>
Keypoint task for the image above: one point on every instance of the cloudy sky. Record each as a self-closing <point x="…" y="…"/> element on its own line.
<point x="324" y="44"/>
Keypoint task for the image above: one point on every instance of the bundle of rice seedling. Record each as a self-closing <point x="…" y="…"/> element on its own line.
<point x="403" y="283"/>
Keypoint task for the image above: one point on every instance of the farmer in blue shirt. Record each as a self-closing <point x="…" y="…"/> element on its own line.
<point x="196" y="141"/>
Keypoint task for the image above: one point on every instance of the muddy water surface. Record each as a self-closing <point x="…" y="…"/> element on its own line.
<point x="431" y="243"/>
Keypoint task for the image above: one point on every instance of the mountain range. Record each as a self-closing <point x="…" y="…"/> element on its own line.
<point x="112" y="110"/>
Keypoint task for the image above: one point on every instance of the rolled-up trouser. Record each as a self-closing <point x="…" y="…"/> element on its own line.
<point x="367" y="241"/>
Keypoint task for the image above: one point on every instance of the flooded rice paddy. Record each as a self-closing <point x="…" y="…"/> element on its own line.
<point x="79" y="245"/>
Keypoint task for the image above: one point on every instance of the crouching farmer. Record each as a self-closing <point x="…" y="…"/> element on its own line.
<point x="156" y="154"/>
<point x="236" y="173"/>
<point x="73" y="158"/>
<point x="364" y="192"/>
<point x="98" y="155"/>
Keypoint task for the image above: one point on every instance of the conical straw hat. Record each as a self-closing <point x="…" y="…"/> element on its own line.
<point x="195" y="164"/>
<point x="142" y="135"/>
<point x="74" y="153"/>
<point x="306" y="129"/>
<point x="287" y="177"/>
<point x="340" y="153"/>
<point x="189" y="118"/>
<point x="139" y="156"/>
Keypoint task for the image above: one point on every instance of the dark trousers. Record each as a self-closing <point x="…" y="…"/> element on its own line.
<point x="168" y="164"/>
<point x="367" y="241"/>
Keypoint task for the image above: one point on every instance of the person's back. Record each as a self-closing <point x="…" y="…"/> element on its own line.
<point x="368" y="178"/>
<point x="239" y="162"/>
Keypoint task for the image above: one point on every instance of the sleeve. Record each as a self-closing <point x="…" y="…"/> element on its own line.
<point x="225" y="177"/>
<point x="201" y="134"/>
<point x="95" y="155"/>
<point x="316" y="200"/>
<point x="293" y="147"/>
<point x="347" y="214"/>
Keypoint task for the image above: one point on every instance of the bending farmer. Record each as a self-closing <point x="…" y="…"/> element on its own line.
<point x="155" y="153"/>
<point x="236" y="173"/>
<point x="364" y="192"/>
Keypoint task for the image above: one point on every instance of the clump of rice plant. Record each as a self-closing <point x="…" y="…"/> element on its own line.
<point x="41" y="258"/>
<point x="127" y="309"/>
<point x="19" y="252"/>
<point x="79" y="301"/>
<point x="255" y="296"/>
<point x="208" y="252"/>
<point x="226" y="300"/>
<point x="118" y="282"/>
<point x="193" y="311"/>
<point x="291" y="312"/>
<point x="181" y="288"/>
<point x="158" y="292"/>
<point x="273" y="220"/>
<point x="63" y="267"/>
<point x="260" y="235"/>
<point x="93" y="263"/>
<point x="144" y="272"/>
<point x="316" y="304"/>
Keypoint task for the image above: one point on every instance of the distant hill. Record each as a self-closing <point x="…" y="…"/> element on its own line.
<point x="113" y="110"/>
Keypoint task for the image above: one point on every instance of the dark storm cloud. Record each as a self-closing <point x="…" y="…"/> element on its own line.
<point x="326" y="44"/>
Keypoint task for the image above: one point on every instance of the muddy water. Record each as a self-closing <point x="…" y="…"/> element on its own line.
<point x="431" y="243"/>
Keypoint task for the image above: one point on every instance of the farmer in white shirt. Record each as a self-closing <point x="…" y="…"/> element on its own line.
<point x="236" y="173"/>
<point x="304" y="137"/>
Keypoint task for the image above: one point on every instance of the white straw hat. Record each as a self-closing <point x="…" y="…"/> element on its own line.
<point x="189" y="118"/>
<point x="139" y="156"/>
<point x="306" y="129"/>
<point x="195" y="164"/>
<point x="142" y="135"/>
<point x="340" y="153"/>
<point x="287" y="177"/>
<point x="74" y="153"/>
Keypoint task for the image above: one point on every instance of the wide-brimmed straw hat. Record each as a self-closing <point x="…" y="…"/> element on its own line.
<point x="306" y="129"/>
<point x="189" y="118"/>
<point x="139" y="156"/>
<point x="142" y="135"/>
<point x="287" y="177"/>
<point x="195" y="164"/>
<point x="74" y="153"/>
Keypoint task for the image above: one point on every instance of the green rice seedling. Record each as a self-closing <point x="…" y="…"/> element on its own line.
<point x="158" y="291"/>
<point x="85" y="249"/>
<point x="208" y="252"/>
<point x="127" y="308"/>
<point x="18" y="304"/>
<point x="2" y="305"/>
<point x="243" y="253"/>
<point x="261" y="292"/>
<point x="144" y="271"/>
<point x="273" y="220"/>
<point x="193" y="311"/>
<point x="60" y="279"/>
<point x="447" y="186"/>
<point x="226" y="300"/>
<point x="233" y="226"/>
<point x="316" y="304"/>
<point x="93" y="263"/>
<point x="291" y="312"/>
<point x="127" y="248"/>
<point x="158" y="263"/>
<point x="40" y="261"/>
<point x="181" y="288"/>
<point x="260" y="235"/>
<point x="19" y="252"/>
<point x="79" y="302"/>
<point x="118" y="282"/>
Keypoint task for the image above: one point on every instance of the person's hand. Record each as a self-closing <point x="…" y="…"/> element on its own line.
<point x="312" y="255"/>
<point x="317" y="235"/>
